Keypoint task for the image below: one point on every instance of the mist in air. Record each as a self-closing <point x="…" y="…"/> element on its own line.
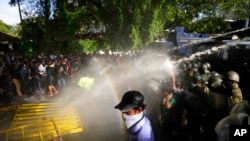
<point x="141" y="71"/>
<point x="144" y="71"/>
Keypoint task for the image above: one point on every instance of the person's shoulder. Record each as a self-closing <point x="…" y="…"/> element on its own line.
<point x="146" y="120"/>
<point x="237" y="89"/>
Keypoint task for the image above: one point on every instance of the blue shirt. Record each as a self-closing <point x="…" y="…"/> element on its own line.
<point x="141" y="131"/>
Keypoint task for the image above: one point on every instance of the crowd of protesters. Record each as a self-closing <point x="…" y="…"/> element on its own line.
<point x="41" y="75"/>
<point x="193" y="98"/>
<point x="47" y="75"/>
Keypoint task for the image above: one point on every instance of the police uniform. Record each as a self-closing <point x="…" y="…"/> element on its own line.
<point x="236" y="94"/>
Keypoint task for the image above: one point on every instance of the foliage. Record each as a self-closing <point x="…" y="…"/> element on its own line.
<point x="57" y="25"/>
<point x="156" y="27"/>
<point x="89" y="45"/>
<point x="26" y="48"/>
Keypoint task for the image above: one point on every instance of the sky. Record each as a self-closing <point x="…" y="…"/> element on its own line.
<point x="9" y="14"/>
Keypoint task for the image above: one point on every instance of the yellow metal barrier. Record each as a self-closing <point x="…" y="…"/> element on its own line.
<point x="39" y="132"/>
<point x="42" y="122"/>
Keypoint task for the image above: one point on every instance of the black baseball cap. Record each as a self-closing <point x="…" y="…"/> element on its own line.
<point x="131" y="99"/>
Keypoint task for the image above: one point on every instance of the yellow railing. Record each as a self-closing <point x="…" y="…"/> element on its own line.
<point x="38" y="128"/>
<point x="42" y="122"/>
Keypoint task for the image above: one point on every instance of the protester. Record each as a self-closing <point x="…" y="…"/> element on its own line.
<point x="16" y="79"/>
<point x="50" y="71"/>
<point x="137" y="124"/>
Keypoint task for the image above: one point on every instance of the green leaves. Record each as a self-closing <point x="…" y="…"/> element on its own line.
<point x="124" y="24"/>
<point x="89" y="45"/>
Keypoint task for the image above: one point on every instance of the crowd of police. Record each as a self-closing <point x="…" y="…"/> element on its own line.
<point x="198" y="100"/>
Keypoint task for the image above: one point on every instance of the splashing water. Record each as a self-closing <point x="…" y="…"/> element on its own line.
<point x="144" y="72"/>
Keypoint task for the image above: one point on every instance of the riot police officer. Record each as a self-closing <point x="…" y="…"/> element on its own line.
<point x="205" y="72"/>
<point x="227" y="89"/>
<point x="231" y="81"/>
<point x="197" y="108"/>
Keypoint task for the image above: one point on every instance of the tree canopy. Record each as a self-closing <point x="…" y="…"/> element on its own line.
<point x="63" y="26"/>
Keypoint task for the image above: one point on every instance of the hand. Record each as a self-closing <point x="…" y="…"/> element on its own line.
<point x="168" y="95"/>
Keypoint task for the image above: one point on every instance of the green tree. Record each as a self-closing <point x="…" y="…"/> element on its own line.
<point x="57" y="25"/>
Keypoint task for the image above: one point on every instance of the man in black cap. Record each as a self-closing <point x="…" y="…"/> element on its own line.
<point x="138" y="125"/>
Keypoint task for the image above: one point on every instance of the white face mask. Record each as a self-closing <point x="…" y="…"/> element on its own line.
<point x="131" y="120"/>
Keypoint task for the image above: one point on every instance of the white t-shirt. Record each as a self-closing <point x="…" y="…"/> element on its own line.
<point x="42" y="69"/>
